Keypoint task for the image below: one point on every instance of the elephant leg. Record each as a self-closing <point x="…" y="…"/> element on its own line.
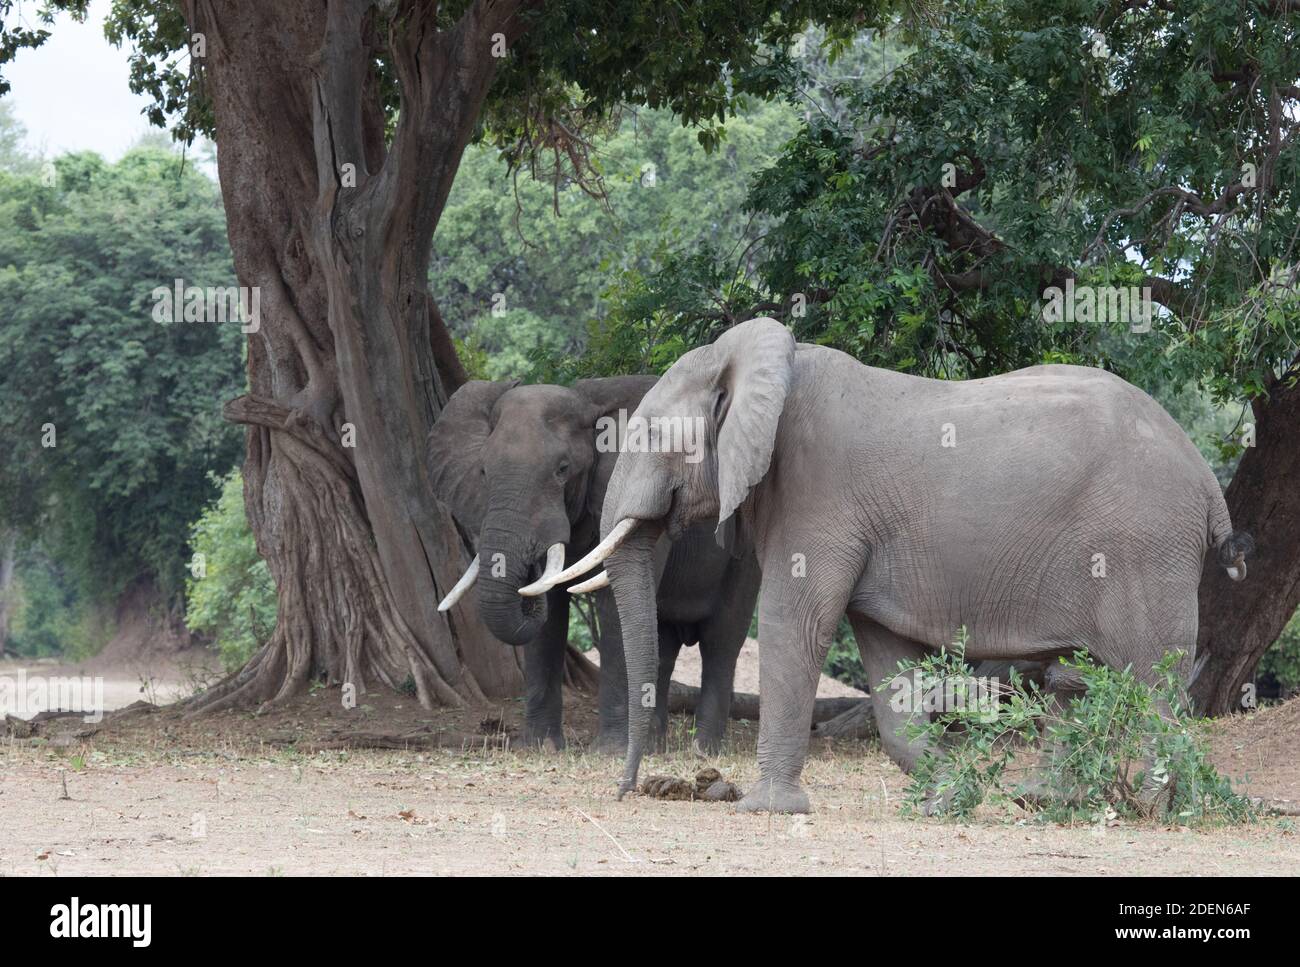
<point x="794" y="636"/>
<point x="894" y="704"/>
<point x="544" y="678"/>
<point x="611" y="737"/>
<point x="718" y="656"/>
<point x="721" y="638"/>
<point x="670" y="643"/>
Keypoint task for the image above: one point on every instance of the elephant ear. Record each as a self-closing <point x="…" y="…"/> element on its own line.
<point x="455" y="449"/>
<point x="756" y="367"/>
<point x="608" y="396"/>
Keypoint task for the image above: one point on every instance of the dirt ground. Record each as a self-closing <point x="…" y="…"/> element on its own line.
<point x="284" y="793"/>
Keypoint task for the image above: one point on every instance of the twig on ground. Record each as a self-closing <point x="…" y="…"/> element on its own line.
<point x="626" y="855"/>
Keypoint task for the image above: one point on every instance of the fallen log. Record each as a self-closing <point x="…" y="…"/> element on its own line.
<point x="580" y="673"/>
<point x="1276" y="807"/>
<point x="744" y="705"/>
<point x="856" y="722"/>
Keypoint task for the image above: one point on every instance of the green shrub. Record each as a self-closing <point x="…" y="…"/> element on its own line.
<point x="844" y="661"/>
<point x="1282" y="660"/>
<point x="52" y="615"/>
<point x="234" y="599"/>
<point x="584" y="623"/>
<point x="1109" y="752"/>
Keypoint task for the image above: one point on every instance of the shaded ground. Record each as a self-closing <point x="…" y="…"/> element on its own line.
<point x="235" y="794"/>
<point x="1261" y="751"/>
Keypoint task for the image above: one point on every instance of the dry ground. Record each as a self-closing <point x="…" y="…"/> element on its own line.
<point x="234" y="794"/>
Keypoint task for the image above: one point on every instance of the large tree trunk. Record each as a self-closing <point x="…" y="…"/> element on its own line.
<point x="350" y="341"/>
<point x="8" y="549"/>
<point x="1239" y="620"/>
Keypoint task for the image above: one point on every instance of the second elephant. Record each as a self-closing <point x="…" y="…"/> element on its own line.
<point x="521" y="471"/>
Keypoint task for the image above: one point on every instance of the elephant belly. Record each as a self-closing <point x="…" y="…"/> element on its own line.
<point x="693" y="577"/>
<point x="1075" y="518"/>
<point x="1045" y="592"/>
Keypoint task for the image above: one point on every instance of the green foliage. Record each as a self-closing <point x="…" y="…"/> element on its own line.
<point x="1109" y="753"/>
<point x="13" y="157"/>
<point x="51" y="617"/>
<point x="584" y="623"/>
<point x="135" y="405"/>
<point x="917" y="216"/>
<point x="1282" y="660"/>
<point x="519" y="264"/>
<point x="234" y="600"/>
<point x="843" y="660"/>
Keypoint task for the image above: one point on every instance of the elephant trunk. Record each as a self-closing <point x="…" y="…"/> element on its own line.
<point x="508" y="561"/>
<point x="632" y="575"/>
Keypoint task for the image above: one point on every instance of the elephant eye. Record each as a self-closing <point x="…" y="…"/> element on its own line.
<point x="562" y="470"/>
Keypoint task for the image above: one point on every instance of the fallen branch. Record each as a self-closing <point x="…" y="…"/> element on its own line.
<point x="626" y="855"/>
<point x="401" y="741"/>
<point x="1276" y="807"/>
<point x="744" y="705"/>
<point x="579" y="672"/>
<point x="856" y="722"/>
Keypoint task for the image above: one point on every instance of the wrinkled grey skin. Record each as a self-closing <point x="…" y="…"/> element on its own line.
<point x="519" y="468"/>
<point x="839" y="476"/>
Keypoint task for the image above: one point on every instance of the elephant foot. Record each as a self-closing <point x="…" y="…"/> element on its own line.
<point x="611" y="742"/>
<point x="706" y="746"/>
<point x="770" y="797"/>
<point x="547" y="740"/>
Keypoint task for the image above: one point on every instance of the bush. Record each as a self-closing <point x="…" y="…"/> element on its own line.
<point x="1282" y="660"/>
<point x="52" y="616"/>
<point x="233" y="600"/>
<point x="1104" y="752"/>
<point x="844" y="661"/>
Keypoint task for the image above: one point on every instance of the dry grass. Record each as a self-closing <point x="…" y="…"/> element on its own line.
<point x="158" y="794"/>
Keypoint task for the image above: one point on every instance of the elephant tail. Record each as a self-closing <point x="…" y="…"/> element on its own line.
<point x="1232" y="547"/>
<point x="1233" y="552"/>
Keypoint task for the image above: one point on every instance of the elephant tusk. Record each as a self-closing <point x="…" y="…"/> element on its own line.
<point x="548" y="580"/>
<point x="463" y="585"/>
<point x="598" y="553"/>
<point x="601" y="580"/>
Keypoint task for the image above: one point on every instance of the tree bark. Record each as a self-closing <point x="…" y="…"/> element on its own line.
<point x="351" y="363"/>
<point x="1239" y="620"/>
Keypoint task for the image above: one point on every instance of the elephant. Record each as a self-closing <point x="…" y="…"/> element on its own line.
<point x="523" y="470"/>
<point x="1043" y="510"/>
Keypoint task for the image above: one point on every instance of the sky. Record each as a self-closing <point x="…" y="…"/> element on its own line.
<point x="71" y="94"/>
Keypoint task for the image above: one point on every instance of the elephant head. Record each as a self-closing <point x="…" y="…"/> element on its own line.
<point x="520" y="469"/>
<point x="732" y="394"/>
